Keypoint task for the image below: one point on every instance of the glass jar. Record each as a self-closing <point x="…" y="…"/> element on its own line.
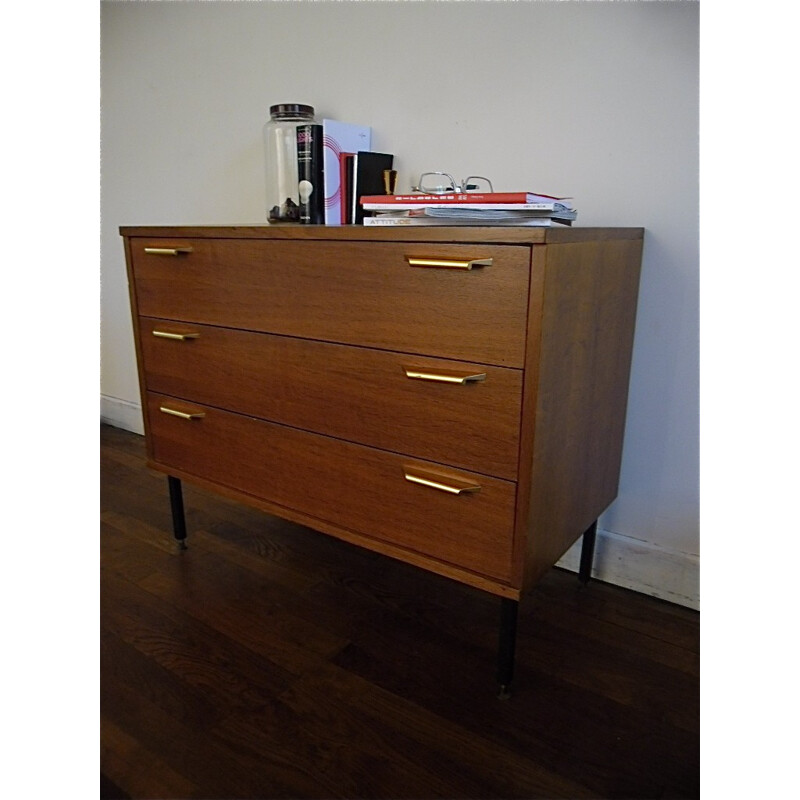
<point x="280" y="160"/>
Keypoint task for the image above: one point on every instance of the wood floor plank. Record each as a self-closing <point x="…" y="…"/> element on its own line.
<point x="184" y="646"/>
<point x="473" y="765"/>
<point x="194" y="752"/>
<point x="145" y="773"/>
<point x="662" y="621"/>
<point x="255" y="620"/>
<point x="108" y="789"/>
<point x="608" y="748"/>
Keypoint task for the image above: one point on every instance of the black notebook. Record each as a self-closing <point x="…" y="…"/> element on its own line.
<point x="368" y="170"/>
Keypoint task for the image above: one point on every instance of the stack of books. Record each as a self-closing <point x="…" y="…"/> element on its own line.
<point x="476" y="209"/>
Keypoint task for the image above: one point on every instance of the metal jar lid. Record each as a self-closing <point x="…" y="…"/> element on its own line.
<point x="289" y="110"/>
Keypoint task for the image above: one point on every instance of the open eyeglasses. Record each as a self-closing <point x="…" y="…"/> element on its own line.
<point x="435" y="183"/>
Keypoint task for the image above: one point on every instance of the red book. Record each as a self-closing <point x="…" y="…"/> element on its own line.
<point x="346" y="188"/>
<point x="471" y="197"/>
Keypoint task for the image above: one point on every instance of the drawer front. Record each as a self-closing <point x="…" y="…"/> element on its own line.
<point x="351" y="292"/>
<point x="394" y="401"/>
<point x="409" y="503"/>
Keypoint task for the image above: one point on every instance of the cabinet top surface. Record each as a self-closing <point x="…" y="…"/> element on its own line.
<point x="359" y="233"/>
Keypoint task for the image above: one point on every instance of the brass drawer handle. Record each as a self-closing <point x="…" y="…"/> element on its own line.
<point x="167" y="251"/>
<point x="449" y="263"/>
<point x="444" y="376"/>
<point x="452" y="485"/>
<point x="182" y="337"/>
<point x="182" y="414"/>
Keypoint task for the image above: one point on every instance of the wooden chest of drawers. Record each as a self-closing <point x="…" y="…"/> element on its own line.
<point x="452" y="397"/>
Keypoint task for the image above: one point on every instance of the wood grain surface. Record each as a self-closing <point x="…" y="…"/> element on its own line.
<point x="344" y="292"/>
<point x="352" y="487"/>
<point x="354" y="393"/>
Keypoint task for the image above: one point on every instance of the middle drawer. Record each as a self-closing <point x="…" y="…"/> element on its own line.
<point x="452" y="412"/>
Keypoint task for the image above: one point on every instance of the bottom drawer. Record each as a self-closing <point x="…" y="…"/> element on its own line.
<point x="457" y="517"/>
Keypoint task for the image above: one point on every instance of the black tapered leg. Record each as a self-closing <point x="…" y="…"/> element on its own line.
<point x="507" y="644"/>
<point x="178" y="518"/>
<point x="587" y="553"/>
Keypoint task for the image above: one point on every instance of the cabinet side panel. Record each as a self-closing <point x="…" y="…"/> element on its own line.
<point x="530" y="388"/>
<point x="588" y="316"/>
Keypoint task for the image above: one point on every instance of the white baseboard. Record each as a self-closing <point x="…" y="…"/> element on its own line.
<point x="643" y="567"/>
<point x="121" y="414"/>
<point x="621" y="560"/>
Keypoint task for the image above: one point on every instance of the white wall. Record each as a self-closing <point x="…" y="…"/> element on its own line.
<point x="595" y="100"/>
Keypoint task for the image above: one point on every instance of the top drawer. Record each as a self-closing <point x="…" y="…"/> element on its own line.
<point x="351" y="292"/>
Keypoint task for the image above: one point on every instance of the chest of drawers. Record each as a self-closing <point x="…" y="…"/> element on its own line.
<point x="451" y="397"/>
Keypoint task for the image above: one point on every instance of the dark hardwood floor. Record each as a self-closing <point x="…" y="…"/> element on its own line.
<point x="270" y="661"/>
